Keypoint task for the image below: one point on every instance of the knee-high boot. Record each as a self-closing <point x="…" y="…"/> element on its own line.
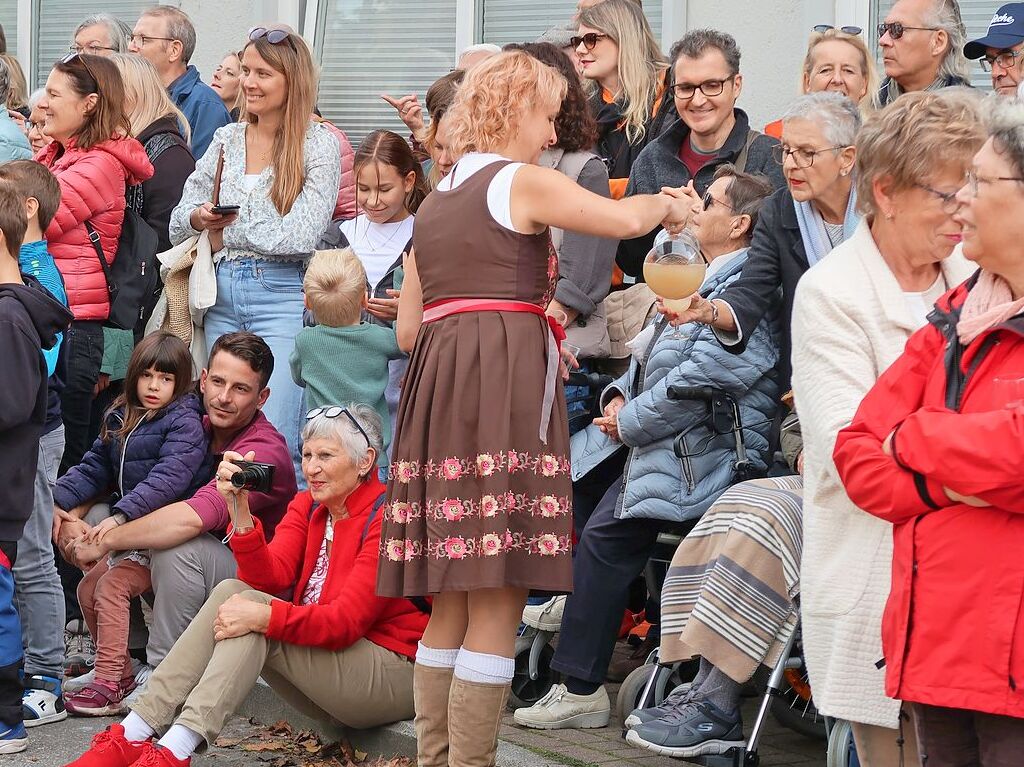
<point x="474" y="717"/>
<point x="430" y="690"/>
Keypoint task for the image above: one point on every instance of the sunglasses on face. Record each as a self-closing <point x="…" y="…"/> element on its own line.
<point x="709" y="201"/>
<point x="588" y="40"/>
<point x="822" y="28"/>
<point x="897" y="30"/>
<point x="335" y="411"/>
<point x="273" y="35"/>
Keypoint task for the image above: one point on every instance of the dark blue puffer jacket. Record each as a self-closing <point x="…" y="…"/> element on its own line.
<point x="165" y="460"/>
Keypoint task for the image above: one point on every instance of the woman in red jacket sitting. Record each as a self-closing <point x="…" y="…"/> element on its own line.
<point x="935" y="449"/>
<point x="336" y="651"/>
<point x="94" y="158"/>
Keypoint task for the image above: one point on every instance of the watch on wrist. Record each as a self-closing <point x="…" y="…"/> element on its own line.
<point x="714" y="312"/>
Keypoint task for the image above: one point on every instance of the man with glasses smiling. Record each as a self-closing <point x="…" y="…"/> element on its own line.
<point x="706" y="83"/>
<point x="165" y="36"/>
<point x="1002" y="50"/>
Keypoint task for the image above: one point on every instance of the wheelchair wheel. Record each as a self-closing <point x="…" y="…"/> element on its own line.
<point x="526" y="691"/>
<point x="794" y="707"/>
<point x="633" y="686"/>
<point x="840" y="740"/>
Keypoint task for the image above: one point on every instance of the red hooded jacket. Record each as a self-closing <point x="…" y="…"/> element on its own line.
<point x="953" y="628"/>
<point x="92" y="184"/>
<point x="349" y="608"/>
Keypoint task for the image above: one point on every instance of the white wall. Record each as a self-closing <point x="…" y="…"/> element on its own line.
<point x="222" y="25"/>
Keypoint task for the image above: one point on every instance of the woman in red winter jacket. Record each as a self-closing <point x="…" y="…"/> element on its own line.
<point x="935" y="449"/>
<point x="94" y="159"/>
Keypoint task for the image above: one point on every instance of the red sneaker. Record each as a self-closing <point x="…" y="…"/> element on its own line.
<point x="110" y="749"/>
<point x="156" y="756"/>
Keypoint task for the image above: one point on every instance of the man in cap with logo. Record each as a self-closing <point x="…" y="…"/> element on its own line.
<point x="1002" y="50"/>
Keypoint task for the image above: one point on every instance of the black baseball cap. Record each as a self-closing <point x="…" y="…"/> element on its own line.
<point x="1004" y="31"/>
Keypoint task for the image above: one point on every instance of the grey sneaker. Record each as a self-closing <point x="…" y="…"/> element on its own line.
<point x="677" y="697"/>
<point x="79" y="650"/>
<point x="698" y="728"/>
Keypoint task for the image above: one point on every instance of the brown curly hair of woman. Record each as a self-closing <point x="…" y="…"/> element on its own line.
<point x="574" y="126"/>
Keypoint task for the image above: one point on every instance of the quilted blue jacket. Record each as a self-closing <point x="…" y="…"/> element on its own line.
<point x="164" y="460"/>
<point x="658" y="484"/>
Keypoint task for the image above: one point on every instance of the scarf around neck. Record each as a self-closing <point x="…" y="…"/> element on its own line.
<point x="989" y="303"/>
<point x="812" y="227"/>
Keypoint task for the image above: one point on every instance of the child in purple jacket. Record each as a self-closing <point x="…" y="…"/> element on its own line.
<point x="152" y="452"/>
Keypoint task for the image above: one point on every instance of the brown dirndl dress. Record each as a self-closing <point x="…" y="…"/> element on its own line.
<point x="475" y="498"/>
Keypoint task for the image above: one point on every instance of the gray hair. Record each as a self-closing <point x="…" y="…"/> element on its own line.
<point x="5" y="83"/>
<point x="118" y="32"/>
<point x="838" y="117"/>
<point x="179" y="27"/>
<point x="34" y="99"/>
<point x="946" y="16"/>
<point x="341" y="430"/>
<point x="696" y="42"/>
<point x="1005" y="121"/>
<point x="481" y="48"/>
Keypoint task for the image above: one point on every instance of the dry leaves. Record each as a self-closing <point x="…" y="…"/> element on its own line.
<point x="279" y="745"/>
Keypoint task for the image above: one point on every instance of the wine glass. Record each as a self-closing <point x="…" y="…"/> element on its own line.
<point x="675" y="270"/>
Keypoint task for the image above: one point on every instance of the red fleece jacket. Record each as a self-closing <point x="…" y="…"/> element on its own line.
<point x="349" y="608"/>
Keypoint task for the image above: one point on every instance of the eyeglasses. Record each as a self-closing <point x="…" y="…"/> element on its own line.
<point x="822" y="28"/>
<point x="949" y="201"/>
<point x="687" y="91"/>
<point x="802" y="158"/>
<point x="896" y="30"/>
<point x="71" y="57"/>
<point x="274" y="35"/>
<point x="334" y="411"/>
<point x="973" y="180"/>
<point x="588" y="40"/>
<point x="709" y="201"/>
<point x="143" y="40"/>
<point x="1005" y="60"/>
<point x="91" y="48"/>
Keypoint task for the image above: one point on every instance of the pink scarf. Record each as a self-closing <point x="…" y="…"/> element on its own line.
<point x="989" y="303"/>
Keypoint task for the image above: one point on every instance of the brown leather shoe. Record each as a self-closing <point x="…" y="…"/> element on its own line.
<point x="430" y="690"/>
<point x="474" y="717"/>
<point x="622" y="667"/>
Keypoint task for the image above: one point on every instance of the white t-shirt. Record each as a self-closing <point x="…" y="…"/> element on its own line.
<point x="499" y="193"/>
<point x="920" y="304"/>
<point x="378" y="246"/>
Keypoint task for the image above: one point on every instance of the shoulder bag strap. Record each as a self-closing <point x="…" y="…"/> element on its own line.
<point x="94" y="238"/>
<point x="741" y="160"/>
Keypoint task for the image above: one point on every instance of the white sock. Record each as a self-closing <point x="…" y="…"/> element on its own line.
<point x="180" y="741"/>
<point x="486" y="669"/>
<point x="429" y="656"/>
<point x="136" y="729"/>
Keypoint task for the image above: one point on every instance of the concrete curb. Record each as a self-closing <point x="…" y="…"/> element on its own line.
<point x="398" y="739"/>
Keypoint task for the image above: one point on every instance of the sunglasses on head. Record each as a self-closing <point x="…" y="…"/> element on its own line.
<point x="822" y="28"/>
<point x="273" y="35"/>
<point x="588" y="40"/>
<point x="335" y="411"/>
<point x="75" y="55"/>
<point x="897" y="30"/>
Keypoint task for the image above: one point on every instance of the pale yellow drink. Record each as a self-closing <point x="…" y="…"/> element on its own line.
<point x="674" y="282"/>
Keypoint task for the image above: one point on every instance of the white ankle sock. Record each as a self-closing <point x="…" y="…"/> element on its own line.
<point x="429" y="656"/>
<point x="180" y="741"/>
<point x="136" y="729"/>
<point x="486" y="669"/>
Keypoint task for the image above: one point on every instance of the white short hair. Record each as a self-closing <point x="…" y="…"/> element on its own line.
<point x="481" y="48"/>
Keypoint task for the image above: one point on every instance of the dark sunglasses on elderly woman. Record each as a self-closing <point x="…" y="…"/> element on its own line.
<point x="334" y="411"/>
<point x="274" y="35"/>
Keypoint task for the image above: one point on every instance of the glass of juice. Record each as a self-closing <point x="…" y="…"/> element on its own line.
<point x="675" y="269"/>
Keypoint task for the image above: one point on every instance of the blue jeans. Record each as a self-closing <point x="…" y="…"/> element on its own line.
<point x="264" y="296"/>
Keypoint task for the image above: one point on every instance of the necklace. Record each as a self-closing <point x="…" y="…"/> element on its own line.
<point x="366" y="233"/>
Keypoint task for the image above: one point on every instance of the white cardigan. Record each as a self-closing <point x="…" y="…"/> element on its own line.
<point x="850" y="323"/>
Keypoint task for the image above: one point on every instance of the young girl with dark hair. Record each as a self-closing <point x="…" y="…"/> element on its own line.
<point x="152" y="451"/>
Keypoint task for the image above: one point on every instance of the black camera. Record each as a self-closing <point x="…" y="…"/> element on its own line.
<point x="256" y="477"/>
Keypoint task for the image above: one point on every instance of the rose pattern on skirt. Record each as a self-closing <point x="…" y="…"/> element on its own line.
<point x="489" y="506"/>
<point x="454" y="469"/>
<point x="455" y="547"/>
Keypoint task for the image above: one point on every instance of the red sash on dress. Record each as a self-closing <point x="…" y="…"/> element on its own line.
<point x="441" y="309"/>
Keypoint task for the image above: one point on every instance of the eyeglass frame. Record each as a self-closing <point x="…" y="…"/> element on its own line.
<point x="780" y="152"/>
<point x="577" y="40"/>
<point x="972" y="179"/>
<point x="88" y="48"/>
<point x="146" y="38"/>
<point x="68" y="58"/>
<point x="336" y="411"/>
<point x="988" y="62"/>
<point x="949" y="201"/>
<point x="700" y="86"/>
<point x="710" y="200"/>
<point x="893" y="26"/>
<point x="846" y="30"/>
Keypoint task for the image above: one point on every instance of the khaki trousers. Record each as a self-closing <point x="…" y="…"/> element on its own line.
<point x="879" y="746"/>
<point x="359" y="687"/>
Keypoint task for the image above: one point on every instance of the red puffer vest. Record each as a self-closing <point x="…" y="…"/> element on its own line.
<point x="953" y="629"/>
<point x="92" y="184"/>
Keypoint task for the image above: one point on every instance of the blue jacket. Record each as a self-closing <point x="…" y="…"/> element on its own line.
<point x="35" y="259"/>
<point x="203" y="108"/>
<point x="13" y="144"/>
<point x="163" y="460"/>
<point x="658" y="485"/>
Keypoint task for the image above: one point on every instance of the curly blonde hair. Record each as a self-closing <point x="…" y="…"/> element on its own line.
<point x="916" y="136"/>
<point x="489" y="105"/>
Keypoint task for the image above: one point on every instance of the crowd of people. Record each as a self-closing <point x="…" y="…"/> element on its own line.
<point x="330" y="444"/>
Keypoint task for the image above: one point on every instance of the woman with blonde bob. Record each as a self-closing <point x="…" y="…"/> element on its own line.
<point x="478" y="510"/>
<point x="620" y="56"/>
<point x="840" y="62"/>
<point x="158" y="125"/>
<point x="283" y="172"/>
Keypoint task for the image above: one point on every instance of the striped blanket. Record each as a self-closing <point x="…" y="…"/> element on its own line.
<point x="730" y="592"/>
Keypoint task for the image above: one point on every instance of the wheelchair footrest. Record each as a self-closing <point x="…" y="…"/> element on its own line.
<point x="734" y="757"/>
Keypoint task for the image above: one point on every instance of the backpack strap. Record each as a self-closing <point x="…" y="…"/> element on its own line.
<point x="741" y="159"/>
<point x="94" y="238"/>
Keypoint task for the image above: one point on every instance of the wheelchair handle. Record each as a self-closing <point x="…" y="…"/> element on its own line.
<point x="594" y="381"/>
<point x="701" y="393"/>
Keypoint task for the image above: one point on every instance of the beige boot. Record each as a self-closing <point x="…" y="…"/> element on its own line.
<point x="430" y="688"/>
<point x="474" y="716"/>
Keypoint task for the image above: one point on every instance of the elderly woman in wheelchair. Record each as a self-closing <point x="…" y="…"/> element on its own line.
<point x="664" y="450"/>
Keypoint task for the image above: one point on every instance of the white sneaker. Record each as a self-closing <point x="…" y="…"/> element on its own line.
<point x="562" y="710"/>
<point x="79" y="682"/>
<point x="42" y="701"/>
<point x="545" y="617"/>
<point x="142" y="675"/>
